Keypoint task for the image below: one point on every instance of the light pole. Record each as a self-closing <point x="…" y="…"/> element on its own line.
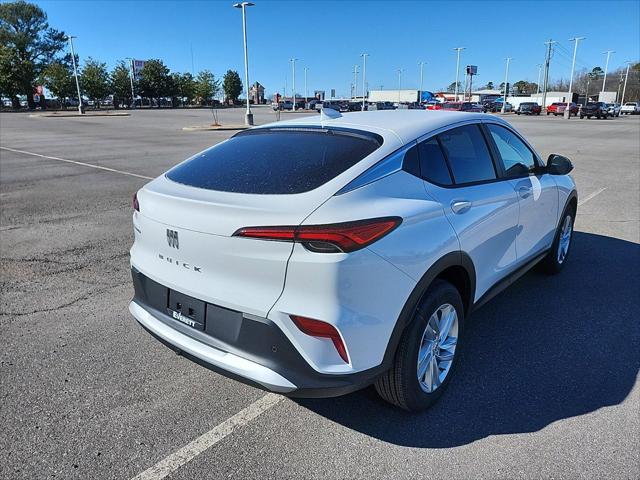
<point x="567" y="111"/>
<point x="506" y="82"/>
<point x="421" y="76"/>
<point x="131" y="74"/>
<point x="306" y="92"/>
<point x="248" y="116"/>
<point x="399" y="84"/>
<point x="624" y="89"/>
<point x="293" y="82"/>
<point x="539" y="75"/>
<point x="364" y="78"/>
<point x="355" y="81"/>
<point x="458" y="49"/>
<point x="606" y="67"/>
<point x="75" y="73"/>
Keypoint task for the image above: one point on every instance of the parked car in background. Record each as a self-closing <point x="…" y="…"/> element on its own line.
<point x="434" y="106"/>
<point x="529" y="108"/>
<point x="311" y="104"/>
<point x="613" y="109"/>
<point x="318" y="259"/>
<point x="594" y="109"/>
<point x="337" y="105"/>
<point x="462" y="106"/>
<point x="415" y="106"/>
<point x="496" y="107"/>
<point x="285" y="105"/>
<point x="381" y="106"/>
<point x="558" y="108"/>
<point x="630" y="108"/>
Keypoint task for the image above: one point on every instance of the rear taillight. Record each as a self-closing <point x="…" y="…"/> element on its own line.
<point x="317" y="328"/>
<point x="136" y="205"/>
<point x="333" y="238"/>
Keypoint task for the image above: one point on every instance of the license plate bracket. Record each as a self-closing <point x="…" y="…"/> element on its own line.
<point x="187" y="310"/>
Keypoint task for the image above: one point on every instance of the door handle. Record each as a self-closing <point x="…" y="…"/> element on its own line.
<point x="524" y="191"/>
<point x="460" y="206"/>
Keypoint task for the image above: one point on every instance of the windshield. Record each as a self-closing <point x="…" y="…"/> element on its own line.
<point x="276" y="160"/>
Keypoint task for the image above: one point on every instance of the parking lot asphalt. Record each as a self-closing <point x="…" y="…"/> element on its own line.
<point x="547" y="385"/>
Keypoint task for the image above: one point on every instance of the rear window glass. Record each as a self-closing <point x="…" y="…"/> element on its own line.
<point x="433" y="166"/>
<point x="276" y="161"/>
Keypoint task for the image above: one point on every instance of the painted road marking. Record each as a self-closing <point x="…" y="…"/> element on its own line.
<point x="90" y="165"/>
<point x="591" y="196"/>
<point x="187" y="453"/>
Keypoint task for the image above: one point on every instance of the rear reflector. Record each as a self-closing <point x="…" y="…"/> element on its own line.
<point x="317" y="328"/>
<point x="136" y="205"/>
<point x="333" y="238"/>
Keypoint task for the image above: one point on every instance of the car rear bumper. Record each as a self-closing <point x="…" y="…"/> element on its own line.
<point x="251" y="349"/>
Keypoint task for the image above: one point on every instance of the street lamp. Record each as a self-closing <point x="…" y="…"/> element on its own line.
<point x="506" y="83"/>
<point x="131" y="74"/>
<point x="567" y="111"/>
<point x="606" y="67"/>
<point x="293" y="81"/>
<point x="248" y="117"/>
<point x="400" y="70"/>
<point x="364" y="78"/>
<point x="421" y="75"/>
<point x="458" y="49"/>
<point x="75" y="73"/>
<point x="306" y="92"/>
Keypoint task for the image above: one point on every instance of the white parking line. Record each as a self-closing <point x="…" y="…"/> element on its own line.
<point x="99" y="167"/>
<point x="196" y="447"/>
<point x="591" y="196"/>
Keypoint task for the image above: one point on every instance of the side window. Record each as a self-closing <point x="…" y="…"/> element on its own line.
<point x="516" y="157"/>
<point x="468" y="154"/>
<point x="433" y="166"/>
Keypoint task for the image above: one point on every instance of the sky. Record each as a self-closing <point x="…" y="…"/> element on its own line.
<point x="328" y="37"/>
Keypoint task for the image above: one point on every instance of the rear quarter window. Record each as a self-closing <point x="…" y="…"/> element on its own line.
<point x="276" y="161"/>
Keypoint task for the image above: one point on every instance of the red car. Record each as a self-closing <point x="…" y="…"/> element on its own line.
<point x="462" y="106"/>
<point x="434" y="106"/>
<point x="558" y="108"/>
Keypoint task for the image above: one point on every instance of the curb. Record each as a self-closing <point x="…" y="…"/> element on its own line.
<point x="207" y="128"/>
<point x="77" y="115"/>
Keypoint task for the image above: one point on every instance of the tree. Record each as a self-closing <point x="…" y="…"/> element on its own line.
<point x="187" y="87"/>
<point x="154" y="81"/>
<point x="95" y="81"/>
<point x="28" y="45"/>
<point x="524" y="87"/>
<point x="488" y="86"/>
<point x="207" y="87"/>
<point x="58" y="78"/>
<point x="232" y="85"/>
<point x="121" y="85"/>
<point x="452" y="88"/>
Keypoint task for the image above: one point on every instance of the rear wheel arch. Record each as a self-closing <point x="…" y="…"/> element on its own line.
<point x="456" y="268"/>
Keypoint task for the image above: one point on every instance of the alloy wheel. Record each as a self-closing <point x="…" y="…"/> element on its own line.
<point x="437" y="347"/>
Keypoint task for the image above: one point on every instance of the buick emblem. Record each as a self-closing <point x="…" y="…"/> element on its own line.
<point x="172" y="238"/>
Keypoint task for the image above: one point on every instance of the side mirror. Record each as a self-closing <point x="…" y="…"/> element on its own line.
<point x="558" y="165"/>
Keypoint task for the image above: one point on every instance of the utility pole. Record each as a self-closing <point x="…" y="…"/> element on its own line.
<point x="355" y="81"/>
<point x="364" y="78"/>
<point x="619" y="85"/>
<point x="539" y="75"/>
<point x="399" y="84"/>
<point x="458" y="50"/>
<point x="547" y="61"/>
<point x="567" y="110"/>
<point x="248" y="116"/>
<point x="586" y="94"/>
<point x="293" y="82"/>
<point x="624" y="89"/>
<point x="606" y="67"/>
<point x="421" y="76"/>
<point x="506" y="83"/>
<point x="75" y="73"/>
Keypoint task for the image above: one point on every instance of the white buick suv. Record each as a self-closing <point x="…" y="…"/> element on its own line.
<point x="321" y="255"/>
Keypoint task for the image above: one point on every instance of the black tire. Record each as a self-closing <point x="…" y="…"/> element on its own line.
<point x="399" y="385"/>
<point x="581" y="117"/>
<point x="548" y="113"/>
<point x="550" y="264"/>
